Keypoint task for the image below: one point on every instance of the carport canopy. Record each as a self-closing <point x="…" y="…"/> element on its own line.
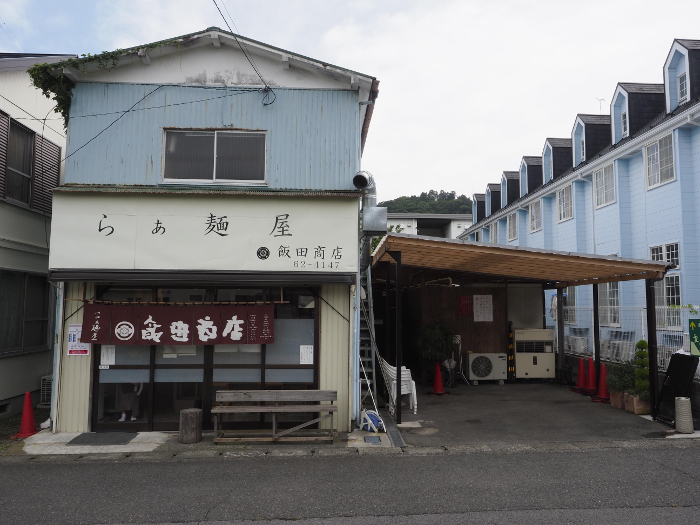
<point x="501" y="263"/>
<point x="554" y="268"/>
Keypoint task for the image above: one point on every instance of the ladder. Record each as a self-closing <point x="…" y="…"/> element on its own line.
<point x="368" y="346"/>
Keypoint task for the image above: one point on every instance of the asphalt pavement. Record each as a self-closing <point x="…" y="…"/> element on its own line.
<point x="636" y="482"/>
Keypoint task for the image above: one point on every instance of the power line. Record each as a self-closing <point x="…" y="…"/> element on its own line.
<point x="33" y="117"/>
<point x="7" y="28"/>
<point x="249" y="57"/>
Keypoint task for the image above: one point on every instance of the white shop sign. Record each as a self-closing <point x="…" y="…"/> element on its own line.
<point x="204" y="232"/>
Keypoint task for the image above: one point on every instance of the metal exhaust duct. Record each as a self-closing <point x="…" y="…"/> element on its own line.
<point x="373" y="218"/>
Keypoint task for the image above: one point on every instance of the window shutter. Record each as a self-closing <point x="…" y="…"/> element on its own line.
<point x="4" y="136"/>
<point x="47" y="156"/>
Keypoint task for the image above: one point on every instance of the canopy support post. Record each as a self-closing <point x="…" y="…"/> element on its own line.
<point x="560" y="331"/>
<point x="653" y="362"/>
<point x="399" y="351"/>
<point x="596" y="338"/>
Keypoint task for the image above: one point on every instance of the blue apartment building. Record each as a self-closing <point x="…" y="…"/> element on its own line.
<point x="624" y="184"/>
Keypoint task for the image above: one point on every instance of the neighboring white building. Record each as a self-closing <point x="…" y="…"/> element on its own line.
<point x="444" y="225"/>
<point x="30" y="153"/>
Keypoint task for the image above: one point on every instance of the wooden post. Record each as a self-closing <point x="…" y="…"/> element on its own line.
<point x="191" y="425"/>
<point x="399" y="357"/>
<point x="596" y="338"/>
<point x="651" y="340"/>
<point x="560" y="331"/>
<point x="387" y="312"/>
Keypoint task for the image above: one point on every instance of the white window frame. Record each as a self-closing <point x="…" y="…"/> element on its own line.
<point x="536" y="219"/>
<point x="563" y="216"/>
<point x="604" y="186"/>
<point x="682" y="99"/>
<point x="672" y="318"/>
<point x="647" y="166"/>
<point x="664" y="252"/>
<point x="583" y="150"/>
<point x="609" y="304"/>
<point x="512" y="223"/>
<point x="570" y="308"/>
<point x="551" y="164"/>
<point x="493" y="232"/>
<point x="214" y="180"/>
<point x="624" y="124"/>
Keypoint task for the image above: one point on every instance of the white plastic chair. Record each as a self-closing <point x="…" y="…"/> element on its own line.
<point x="408" y="385"/>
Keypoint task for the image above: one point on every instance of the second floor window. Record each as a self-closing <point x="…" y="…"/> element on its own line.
<point x="583" y="150"/>
<point x="604" y="186"/>
<point x="682" y="88"/>
<point x="20" y="158"/>
<point x="624" y="123"/>
<point x="225" y="156"/>
<point x="659" y="157"/>
<point x="535" y="216"/>
<point x="512" y="221"/>
<point x="667" y="252"/>
<point x="566" y="208"/>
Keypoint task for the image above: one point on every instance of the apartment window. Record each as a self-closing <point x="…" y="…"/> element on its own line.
<point x="668" y="301"/>
<point x="666" y="253"/>
<point x="609" y="304"/>
<point x="624" y="123"/>
<point x="535" y="216"/>
<point x="583" y="150"/>
<point x="512" y="221"/>
<point x="659" y="157"/>
<point x="604" y="186"/>
<point x="20" y="158"/>
<point x="551" y="167"/>
<point x="477" y="236"/>
<point x="24" y="312"/>
<point x="682" y="88"/>
<point x="493" y="233"/>
<point x="211" y="156"/>
<point x="566" y="208"/>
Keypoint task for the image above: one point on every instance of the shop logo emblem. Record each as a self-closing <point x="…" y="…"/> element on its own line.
<point x="124" y="330"/>
<point x="263" y="253"/>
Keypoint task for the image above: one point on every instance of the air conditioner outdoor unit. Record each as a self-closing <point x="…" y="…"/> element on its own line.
<point x="488" y="367"/>
<point x="534" y="354"/>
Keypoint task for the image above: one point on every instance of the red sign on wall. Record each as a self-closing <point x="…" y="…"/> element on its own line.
<point x="465" y="305"/>
<point x="178" y="325"/>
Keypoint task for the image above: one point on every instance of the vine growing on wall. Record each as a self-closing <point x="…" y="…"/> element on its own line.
<point x="54" y="84"/>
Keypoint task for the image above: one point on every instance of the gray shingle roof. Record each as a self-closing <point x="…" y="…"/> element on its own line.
<point x="559" y="143"/>
<point x="689" y="44"/>
<point x="594" y="119"/>
<point x="494" y="187"/>
<point x="632" y="87"/>
<point x="533" y="161"/>
<point x="479" y="197"/>
<point x="511" y="175"/>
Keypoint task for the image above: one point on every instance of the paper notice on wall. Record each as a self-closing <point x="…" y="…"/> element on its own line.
<point x="306" y="354"/>
<point x="108" y="356"/>
<point x="483" y="308"/>
<point x="75" y="347"/>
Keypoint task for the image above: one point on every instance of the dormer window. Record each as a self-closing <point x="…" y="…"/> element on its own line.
<point x="682" y="88"/>
<point x="583" y="150"/>
<point x="624" y="123"/>
<point x="551" y="168"/>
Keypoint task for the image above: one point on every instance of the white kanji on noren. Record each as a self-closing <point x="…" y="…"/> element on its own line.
<point x="150" y="334"/>
<point x="206" y="329"/>
<point x="180" y="331"/>
<point x="234" y="326"/>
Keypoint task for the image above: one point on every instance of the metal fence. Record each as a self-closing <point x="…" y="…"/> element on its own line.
<point x="621" y="328"/>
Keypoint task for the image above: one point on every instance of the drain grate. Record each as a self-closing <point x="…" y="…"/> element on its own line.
<point x="375" y="440"/>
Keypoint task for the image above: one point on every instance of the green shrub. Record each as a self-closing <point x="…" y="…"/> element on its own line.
<point x="641" y="364"/>
<point x="620" y="378"/>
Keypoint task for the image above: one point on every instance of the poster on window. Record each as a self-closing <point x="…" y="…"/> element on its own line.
<point x="483" y="308"/>
<point x="75" y="346"/>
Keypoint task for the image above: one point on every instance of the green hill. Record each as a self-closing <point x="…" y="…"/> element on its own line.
<point x="430" y="202"/>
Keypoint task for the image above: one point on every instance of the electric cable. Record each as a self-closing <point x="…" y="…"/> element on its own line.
<point x="267" y="89"/>
<point x="7" y="28"/>
<point x="32" y="116"/>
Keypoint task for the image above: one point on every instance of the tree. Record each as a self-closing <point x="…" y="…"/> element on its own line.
<point x="430" y="202"/>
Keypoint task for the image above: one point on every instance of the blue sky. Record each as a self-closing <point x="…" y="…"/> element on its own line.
<point x="467" y="87"/>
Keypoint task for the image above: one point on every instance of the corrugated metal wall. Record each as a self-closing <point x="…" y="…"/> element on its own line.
<point x="313" y="136"/>
<point x="74" y="397"/>
<point x="335" y="349"/>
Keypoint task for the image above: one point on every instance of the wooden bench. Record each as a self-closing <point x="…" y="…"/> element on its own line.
<point x="251" y="402"/>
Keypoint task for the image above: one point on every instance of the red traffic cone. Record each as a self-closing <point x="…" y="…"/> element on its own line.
<point x="28" y="426"/>
<point x="603" y="393"/>
<point x="590" y="379"/>
<point x="437" y="385"/>
<point x="580" y="378"/>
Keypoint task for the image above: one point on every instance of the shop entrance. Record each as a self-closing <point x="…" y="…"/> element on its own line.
<point x="144" y="387"/>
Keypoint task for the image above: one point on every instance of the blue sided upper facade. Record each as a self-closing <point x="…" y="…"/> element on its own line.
<point x="626" y="184"/>
<point x="193" y="111"/>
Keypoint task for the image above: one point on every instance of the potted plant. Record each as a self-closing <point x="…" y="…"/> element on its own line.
<point x="620" y="379"/>
<point x="435" y="344"/>
<point x="637" y="399"/>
